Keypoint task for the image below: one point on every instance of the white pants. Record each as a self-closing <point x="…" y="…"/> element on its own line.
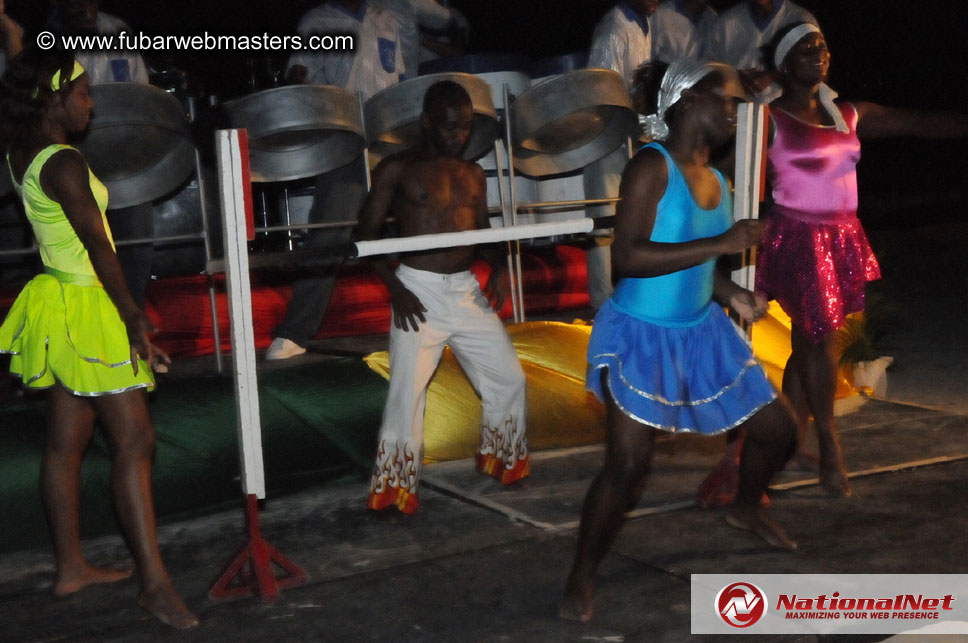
<point x="457" y="315"/>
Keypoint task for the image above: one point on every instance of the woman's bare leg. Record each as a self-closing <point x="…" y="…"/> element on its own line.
<point x="769" y="443"/>
<point x="132" y="436"/>
<point x="818" y="375"/>
<point x="70" y="425"/>
<point x="628" y="454"/>
<point x="796" y="395"/>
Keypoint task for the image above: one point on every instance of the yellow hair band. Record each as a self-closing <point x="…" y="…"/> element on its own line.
<point x="55" y="81"/>
<point x="57" y="84"/>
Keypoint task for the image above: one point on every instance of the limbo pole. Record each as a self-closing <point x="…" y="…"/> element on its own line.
<point x="474" y="237"/>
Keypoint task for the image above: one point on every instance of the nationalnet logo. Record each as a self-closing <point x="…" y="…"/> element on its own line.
<point x="899" y="607"/>
<point x="829" y="603"/>
<point x="741" y="604"/>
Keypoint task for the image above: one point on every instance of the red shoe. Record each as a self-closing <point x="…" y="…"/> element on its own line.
<point x="406" y="502"/>
<point x="494" y="467"/>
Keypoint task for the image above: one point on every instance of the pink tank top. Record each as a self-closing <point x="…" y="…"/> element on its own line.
<point x="813" y="168"/>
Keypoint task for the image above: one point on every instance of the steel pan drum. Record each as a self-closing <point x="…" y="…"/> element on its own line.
<point x="569" y="121"/>
<point x="298" y="131"/>
<point x="139" y="143"/>
<point x="393" y="116"/>
<point x="181" y="213"/>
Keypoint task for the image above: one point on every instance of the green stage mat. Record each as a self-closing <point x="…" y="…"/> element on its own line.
<point x="319" y="425"/>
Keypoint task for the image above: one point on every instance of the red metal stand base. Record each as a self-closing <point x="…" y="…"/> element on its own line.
<point x="251" y="570"/>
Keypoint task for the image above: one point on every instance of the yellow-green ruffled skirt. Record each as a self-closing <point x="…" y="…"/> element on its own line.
<point x="71" y="334"/>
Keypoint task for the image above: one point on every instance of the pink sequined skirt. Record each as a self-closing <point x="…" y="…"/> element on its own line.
<point x="815" y="267"/>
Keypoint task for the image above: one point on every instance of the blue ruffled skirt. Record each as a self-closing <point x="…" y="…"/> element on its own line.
<point x="700" y="378"/>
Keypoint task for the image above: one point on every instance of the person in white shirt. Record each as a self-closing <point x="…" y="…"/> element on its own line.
<point x="622" y="42"/>
<point x="375" y="63"/>
<point x="739" y="34"/>
<point x="680" y="30"/>
<point x="411" y="16"/>
<point x="83" y="17"/>
<point x="449" y="40"/>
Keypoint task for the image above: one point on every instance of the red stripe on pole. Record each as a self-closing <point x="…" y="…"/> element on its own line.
<point x="766" y="143"/>
<point x="246" y="184"/>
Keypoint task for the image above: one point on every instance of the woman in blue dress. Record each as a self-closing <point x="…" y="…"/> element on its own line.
<point x="663" y="355"/>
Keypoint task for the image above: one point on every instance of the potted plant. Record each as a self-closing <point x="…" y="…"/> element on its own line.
<point x="858" y="342"/>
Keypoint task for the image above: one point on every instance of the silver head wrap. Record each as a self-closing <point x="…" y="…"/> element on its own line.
<point x="680" y="76"/>
<point x="825" y="94"/>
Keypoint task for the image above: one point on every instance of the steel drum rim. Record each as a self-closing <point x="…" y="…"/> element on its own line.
<point x="577" y="84"/>
<point x="346" y="117"/>
<point x="122" y="195"/>
<point x="382" y="113"/>
<point x="319" y="108"/>
<point x="568" y="94"/>
<point x="165" y="103"/>
<point x="537" y="164"/>
<point x="476" y="83"/>
<point x="137" y="108"/>
<point x="268" y="166"/>
<point x="256" y="135"/>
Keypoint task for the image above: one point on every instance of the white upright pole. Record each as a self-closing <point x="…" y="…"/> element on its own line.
<point x="506" y="222"/>
<point x="366" y="154"/>
<point x="238" y="227"/>
<point x="516" y="273"/>
<point x="748" y="177"/>
<point x="207" y="242"/>
<point x="751" y="127"/>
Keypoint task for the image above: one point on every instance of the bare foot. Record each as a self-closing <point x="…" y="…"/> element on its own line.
<point x="754" y="519"/>
<point x="834" y="482"/>
<point x="70" y="581"/>
<point x="576" y="604"/>
<point x="168" y="607"/>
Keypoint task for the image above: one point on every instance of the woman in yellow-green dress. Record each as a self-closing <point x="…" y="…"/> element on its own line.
<point x="75" y="330"/>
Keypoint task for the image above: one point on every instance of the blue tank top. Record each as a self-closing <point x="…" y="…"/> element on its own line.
<point x="679" y="298"/>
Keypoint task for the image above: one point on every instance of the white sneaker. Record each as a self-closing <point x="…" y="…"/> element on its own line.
<point x="282" y="348"/>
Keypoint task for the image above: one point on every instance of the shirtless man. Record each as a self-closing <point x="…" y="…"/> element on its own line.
<point x="436" y="301"/>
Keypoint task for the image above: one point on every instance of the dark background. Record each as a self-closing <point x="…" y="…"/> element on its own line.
<point x="901" y="52"/>
<point x="896" y="53"/>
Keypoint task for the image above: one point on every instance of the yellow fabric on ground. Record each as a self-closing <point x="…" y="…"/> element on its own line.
<point x="771" y="346"/>
<point x="561" y="413"/>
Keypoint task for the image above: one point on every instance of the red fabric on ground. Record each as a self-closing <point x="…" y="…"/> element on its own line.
<point x="554" y="279"/>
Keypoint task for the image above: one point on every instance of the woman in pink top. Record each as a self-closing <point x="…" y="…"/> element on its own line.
<point x="814" y="258"/>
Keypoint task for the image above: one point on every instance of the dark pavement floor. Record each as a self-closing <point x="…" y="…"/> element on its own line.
<point x="482" y="563"/>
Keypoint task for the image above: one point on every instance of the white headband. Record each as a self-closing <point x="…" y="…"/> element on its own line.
<point x="824" y="93"/>
<point x="680" y="76"/>
<point x="791" y="38"/>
